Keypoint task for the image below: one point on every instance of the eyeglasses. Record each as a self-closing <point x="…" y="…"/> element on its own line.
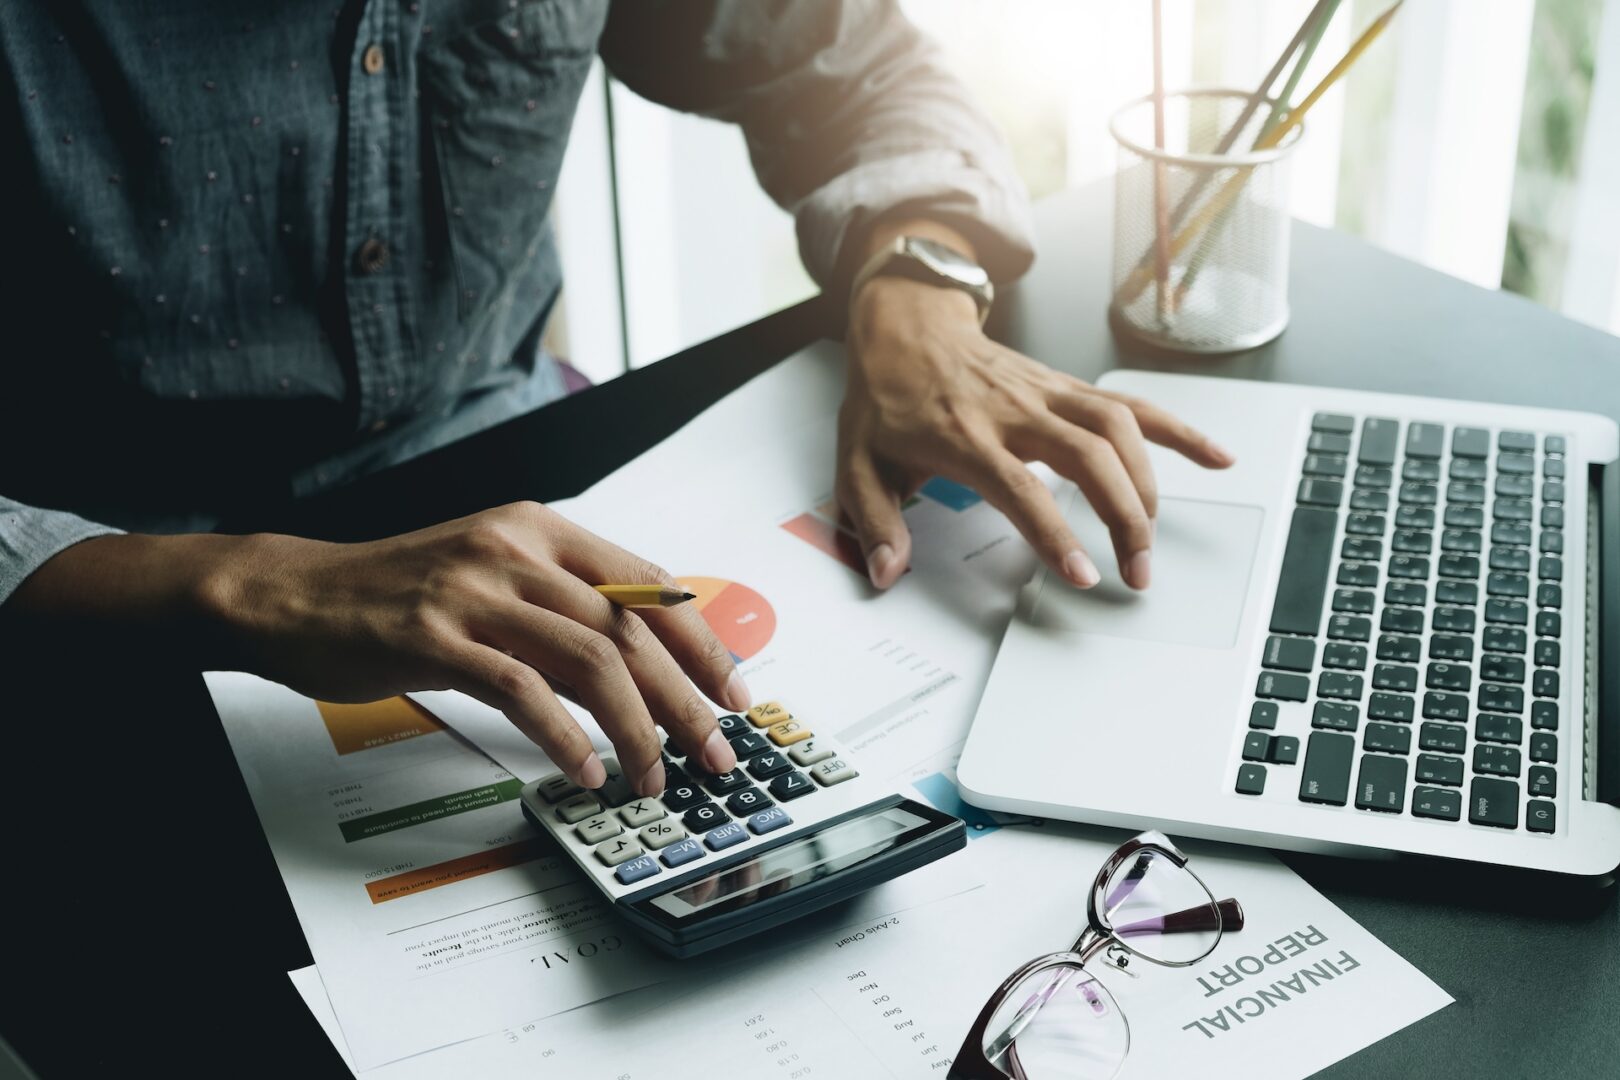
<point x="1052" y="1019"/>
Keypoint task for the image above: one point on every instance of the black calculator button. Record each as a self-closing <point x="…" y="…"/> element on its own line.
<point x="768" y="765"/>
<point x="726" y="783"/>
<point x="750" y="744"/>
<point x="703" y="817"/>
<point x="684" y="796"/>
<point x="791" y="785"/>
<point x="750" y="800"/>
<point x="733" y="726"/>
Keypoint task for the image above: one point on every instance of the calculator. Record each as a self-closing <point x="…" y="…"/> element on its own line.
<point x="719" y="857"/>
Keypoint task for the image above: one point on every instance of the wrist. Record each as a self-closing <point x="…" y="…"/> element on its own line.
<point x="891" y="311"/>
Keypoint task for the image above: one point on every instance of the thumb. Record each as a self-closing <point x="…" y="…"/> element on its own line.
<point x="874" y="509"/>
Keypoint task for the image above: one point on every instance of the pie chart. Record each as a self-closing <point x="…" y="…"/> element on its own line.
<point x="741" y="618"/>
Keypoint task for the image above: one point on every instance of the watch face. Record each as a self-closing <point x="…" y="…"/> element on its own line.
<point x="946" y="262"/>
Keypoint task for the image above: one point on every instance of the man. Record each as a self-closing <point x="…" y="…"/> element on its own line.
<point x="278" y="248"/>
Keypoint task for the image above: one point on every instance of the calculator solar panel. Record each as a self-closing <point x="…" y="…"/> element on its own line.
<point x="1417" y="619"/>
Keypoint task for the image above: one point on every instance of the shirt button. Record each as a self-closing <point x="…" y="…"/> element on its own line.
<point x="372" y="59"/>
<point x="371" y="257"/>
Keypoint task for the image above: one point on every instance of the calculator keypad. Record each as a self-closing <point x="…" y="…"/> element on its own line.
<point x="780" y="760"/>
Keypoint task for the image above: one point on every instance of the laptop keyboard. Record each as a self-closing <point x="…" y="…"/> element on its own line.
<point x="1415" y="639"/>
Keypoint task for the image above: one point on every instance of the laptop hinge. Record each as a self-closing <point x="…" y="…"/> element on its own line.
<point x="1603" y="637"/>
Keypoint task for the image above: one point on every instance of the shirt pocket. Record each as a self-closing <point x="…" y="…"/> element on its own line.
<point x="500" y="99"/>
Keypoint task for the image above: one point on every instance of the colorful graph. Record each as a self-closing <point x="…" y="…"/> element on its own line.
<point x="824" y="529"/>
<point x="741" y="618"/>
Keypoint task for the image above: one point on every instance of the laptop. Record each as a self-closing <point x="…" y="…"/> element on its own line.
<point x="1393" y="626"/>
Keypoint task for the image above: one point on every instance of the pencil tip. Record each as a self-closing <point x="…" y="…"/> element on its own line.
<point x="688" y="596"/>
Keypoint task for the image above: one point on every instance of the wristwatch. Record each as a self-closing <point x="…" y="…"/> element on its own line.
<point x="931" y="262"/>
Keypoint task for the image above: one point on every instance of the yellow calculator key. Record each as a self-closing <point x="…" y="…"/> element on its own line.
<point x="789" y="732"/>
<point x="769" y="714"/>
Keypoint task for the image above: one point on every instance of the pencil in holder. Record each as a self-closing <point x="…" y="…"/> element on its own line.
<point x="1200" y="239"/>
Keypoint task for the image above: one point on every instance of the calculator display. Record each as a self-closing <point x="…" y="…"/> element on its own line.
<point x="796" y="864"/>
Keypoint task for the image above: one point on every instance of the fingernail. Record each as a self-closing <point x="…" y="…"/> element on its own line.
<point x="1140" y="569"/>
<point x="652" y="781"/>
<point x="592" y="774"/>
<point x="737" y="696"/>
<point x="718" y="756"/>
<point x="880" y="566"/>
<point x="1079" y="569"/>
<point x="1222" y="453"/>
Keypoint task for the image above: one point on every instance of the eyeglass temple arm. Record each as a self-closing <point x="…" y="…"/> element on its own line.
<point x="1192" y="920"/>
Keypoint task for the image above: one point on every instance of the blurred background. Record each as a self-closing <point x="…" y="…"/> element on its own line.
<point x="1479" y="137"/>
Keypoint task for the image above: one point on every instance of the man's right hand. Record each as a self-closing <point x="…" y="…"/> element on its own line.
<point x="499" y="605"/>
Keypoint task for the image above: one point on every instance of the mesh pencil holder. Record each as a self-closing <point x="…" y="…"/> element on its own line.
<point x="1218" y="280"/>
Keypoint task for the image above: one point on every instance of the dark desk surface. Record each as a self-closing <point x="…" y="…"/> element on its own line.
<point x="144" y="918"/>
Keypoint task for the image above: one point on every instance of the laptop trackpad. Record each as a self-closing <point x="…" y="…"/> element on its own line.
<point x="1201" y="562"/>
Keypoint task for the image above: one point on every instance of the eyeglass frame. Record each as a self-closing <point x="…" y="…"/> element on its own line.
<point x="973" y="1063"/>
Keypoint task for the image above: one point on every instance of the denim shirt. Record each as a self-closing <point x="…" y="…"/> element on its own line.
<point x="265" y="247"/>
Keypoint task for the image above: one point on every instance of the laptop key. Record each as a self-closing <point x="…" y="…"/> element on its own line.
<point x="1401" y="620"/>
<point x="1462" y="491"/>
<point x="1425" y="440"/>
<point x="1451" y="647"/>
<point x="1436" y="803"/>
<point x="1331" y="466"/>
<point x="1540" y="816"/>
<point x="1466" y="469"/>
<point x="1544" y="715"/>
<point x="1322" y="442"/>
<point x="1263" y="715"/>
<point x="1450" y="738"/>
<point x="1500" y="668"/>
<point x="1334" y="423"/>
<point x="1543" y="780"/>
<point x="1514" y="612"/>
<point x="1411" y="566"/>
<point x="1548" y="654"/>
<point x="1280" y="687"/>
<point x="1335" y="716"/>
<point x="1412" y="541"/>
<point x="1516" y="464"/>
<point x="1326" y="775"/>
<point x="1553" y="468"/>
<point x="1443" y="676"/>
<point x="1498" y="760"/>
<point x="1508" y="639"/>
<point x="1396" y="647"/>
<point x="1337" y="684"/>
<point x="1550" y="568"/>
<point x="1502" y="729"/>
<point x="1439" y="769"/>
<point x="1549" y="624"/>
<point x="1302" y="583"/>
<point x="1454" y="620"/>
<point x="1360" y="601"/>
<point x="1374" y="476"/>
<point x="1511" y="509"/>
<point x="1395" y="677"/>
<point x="1544" y="747"/>
<point x="1552" y="492"/>
<point x="1414" y="517"/>
<point x="1438" y="705"/>
<point x="1361" y="549"/>
<point x="1544" y="683"/>
<point x="1365" y="524"/>
<point x="1389" y="738"/>
<point x="1467" y="442"/>
<point x="1456" y="592"/>
<point x="1494" y="802"/>
<point x="1552" y="542"/>
<point x="1465" y="517"/>
<point x="1315" y="492"/>
<point x="1495" y="697"/>
<point x="1406" y="593"/>
<point x="1378" y="441"/>
<point x="1552" y="517"/>
<point x="1413" y="469"/>
<point x="1517" y="441"/>
<point x="1504" y="583"/>
<point x="1362" y="574"/>
<point x="1382" y="784"/>
<point x="1342" y="655"/>
<point x="1549" y="596"/>
<point x="1554" y="444"/>
<point x="1511" y="532"/>
<point x="1349" y="628"/>
<point x="1466" y="541"/>
<point x="1284" y="750"/>
<point x="1289" y="654"/>
<point x="1369" y="499"/>
<point x="1510" y="558"/>
<point x="1251" y="779"/>
<point x="1465" y="567"/>
<point x="1256" y="744"/>
<point x="1418" y="494"/>
<point x="1386" y="706"/>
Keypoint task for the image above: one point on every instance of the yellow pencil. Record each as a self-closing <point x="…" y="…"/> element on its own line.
<point x="1133" y="286"/>
<point x="634" y="596"/>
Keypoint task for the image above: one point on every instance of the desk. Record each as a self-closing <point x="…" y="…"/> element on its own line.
<point x="110" y="962"/>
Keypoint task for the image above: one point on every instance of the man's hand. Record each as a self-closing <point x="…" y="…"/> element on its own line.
<point x="929" y="395"/>
<point x="499" y="605"/>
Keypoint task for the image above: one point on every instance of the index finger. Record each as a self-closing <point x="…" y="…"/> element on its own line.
<point x="689" y="639"/>
<point x="1171" y="431"/>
